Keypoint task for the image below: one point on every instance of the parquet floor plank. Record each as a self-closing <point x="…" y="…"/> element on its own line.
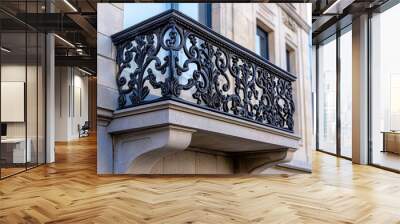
<point x="70" y="191"/>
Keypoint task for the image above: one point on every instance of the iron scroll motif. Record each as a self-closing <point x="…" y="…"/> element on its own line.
<point x="171" y="58"/>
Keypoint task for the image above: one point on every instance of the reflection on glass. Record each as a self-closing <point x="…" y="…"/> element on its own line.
<point x="41" y="150"/>
<point x="137" y="12"/>
<point x="385" y="84"/>
<point x="327" y="96"/>
<point x="198" y="11"/>
<point x="346" y="94"/>
<point x="190" y="9"/>
<point x="262" y="43"/>
<point x="31" y="98"/>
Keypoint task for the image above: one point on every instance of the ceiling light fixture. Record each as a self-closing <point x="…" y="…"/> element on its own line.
<point x="70" y="5"/>
<point x="64" y="40"/>
<point x="84" y="71"/>
<point x="331" y="7"/>
<point x="5" y="50"/>
<point x="79" y="51"/>
<point x="337" y="7"/>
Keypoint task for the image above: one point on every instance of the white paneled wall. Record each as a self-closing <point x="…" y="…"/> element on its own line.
<point x="71" y="102"/>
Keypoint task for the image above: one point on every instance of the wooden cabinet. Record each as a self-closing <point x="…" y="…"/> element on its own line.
<point x="391" y="142"/>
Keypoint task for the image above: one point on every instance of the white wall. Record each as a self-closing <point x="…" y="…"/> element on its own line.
<point x="80" y="108"/>
<point x="71" y="102"/>
<point x="61" y="103"/>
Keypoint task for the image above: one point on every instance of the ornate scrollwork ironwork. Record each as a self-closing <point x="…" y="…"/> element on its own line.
<point x="173" y="53"/>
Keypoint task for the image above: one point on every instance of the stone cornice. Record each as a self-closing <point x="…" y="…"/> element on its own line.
<point x="178" y="106"/>
<point x="292" y="14"/>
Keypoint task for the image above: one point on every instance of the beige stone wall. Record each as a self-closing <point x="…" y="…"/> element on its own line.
<point x="194" y="162"/>
<point x="288" y="27"/>
<point x="109" y="21"/>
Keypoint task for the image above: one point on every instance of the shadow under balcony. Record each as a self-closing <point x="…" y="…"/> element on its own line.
<point x="192" y="101"/>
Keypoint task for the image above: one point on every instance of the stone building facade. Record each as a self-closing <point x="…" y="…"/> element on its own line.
<point x="289" y="27"/>
<point x="289" y="39"/>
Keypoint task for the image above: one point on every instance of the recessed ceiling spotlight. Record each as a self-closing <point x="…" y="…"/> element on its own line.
<point x="79" y="51"/>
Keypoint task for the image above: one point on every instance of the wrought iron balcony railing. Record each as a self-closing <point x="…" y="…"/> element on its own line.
<point x="172" y="57"/>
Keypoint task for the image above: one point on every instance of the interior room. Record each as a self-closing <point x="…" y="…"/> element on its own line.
<point x="22" y="97"/>
<point x="335" y="70"/>
<point x="385" y="90"/>
<point x="29" y="92"/>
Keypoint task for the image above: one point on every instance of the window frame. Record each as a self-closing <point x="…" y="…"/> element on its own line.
<point x="334" y="37"/>
<point x="262" y="33"/>
<point x="290" y="57"/>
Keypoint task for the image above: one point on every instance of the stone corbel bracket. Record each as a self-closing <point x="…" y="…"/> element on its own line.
<point x="257" y="162"/>
<point x="139" y="151"/>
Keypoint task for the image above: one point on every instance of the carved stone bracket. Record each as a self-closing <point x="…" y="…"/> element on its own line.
<point x="137" y="152"/>
<point x="257" y="162"/>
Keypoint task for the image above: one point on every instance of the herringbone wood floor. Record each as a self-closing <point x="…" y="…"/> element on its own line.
<point x="69" y="191"/>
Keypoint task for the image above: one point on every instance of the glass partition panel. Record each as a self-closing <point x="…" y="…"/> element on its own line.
<point x="327" y="96"/>
<point x="346" y="93"/>
<point x="22" y="88"/>
<point x="14" y="153"/>
<point x="31" y="98"/>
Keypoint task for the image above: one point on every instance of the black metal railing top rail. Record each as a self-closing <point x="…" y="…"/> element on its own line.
<point x="171" y="56"/>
